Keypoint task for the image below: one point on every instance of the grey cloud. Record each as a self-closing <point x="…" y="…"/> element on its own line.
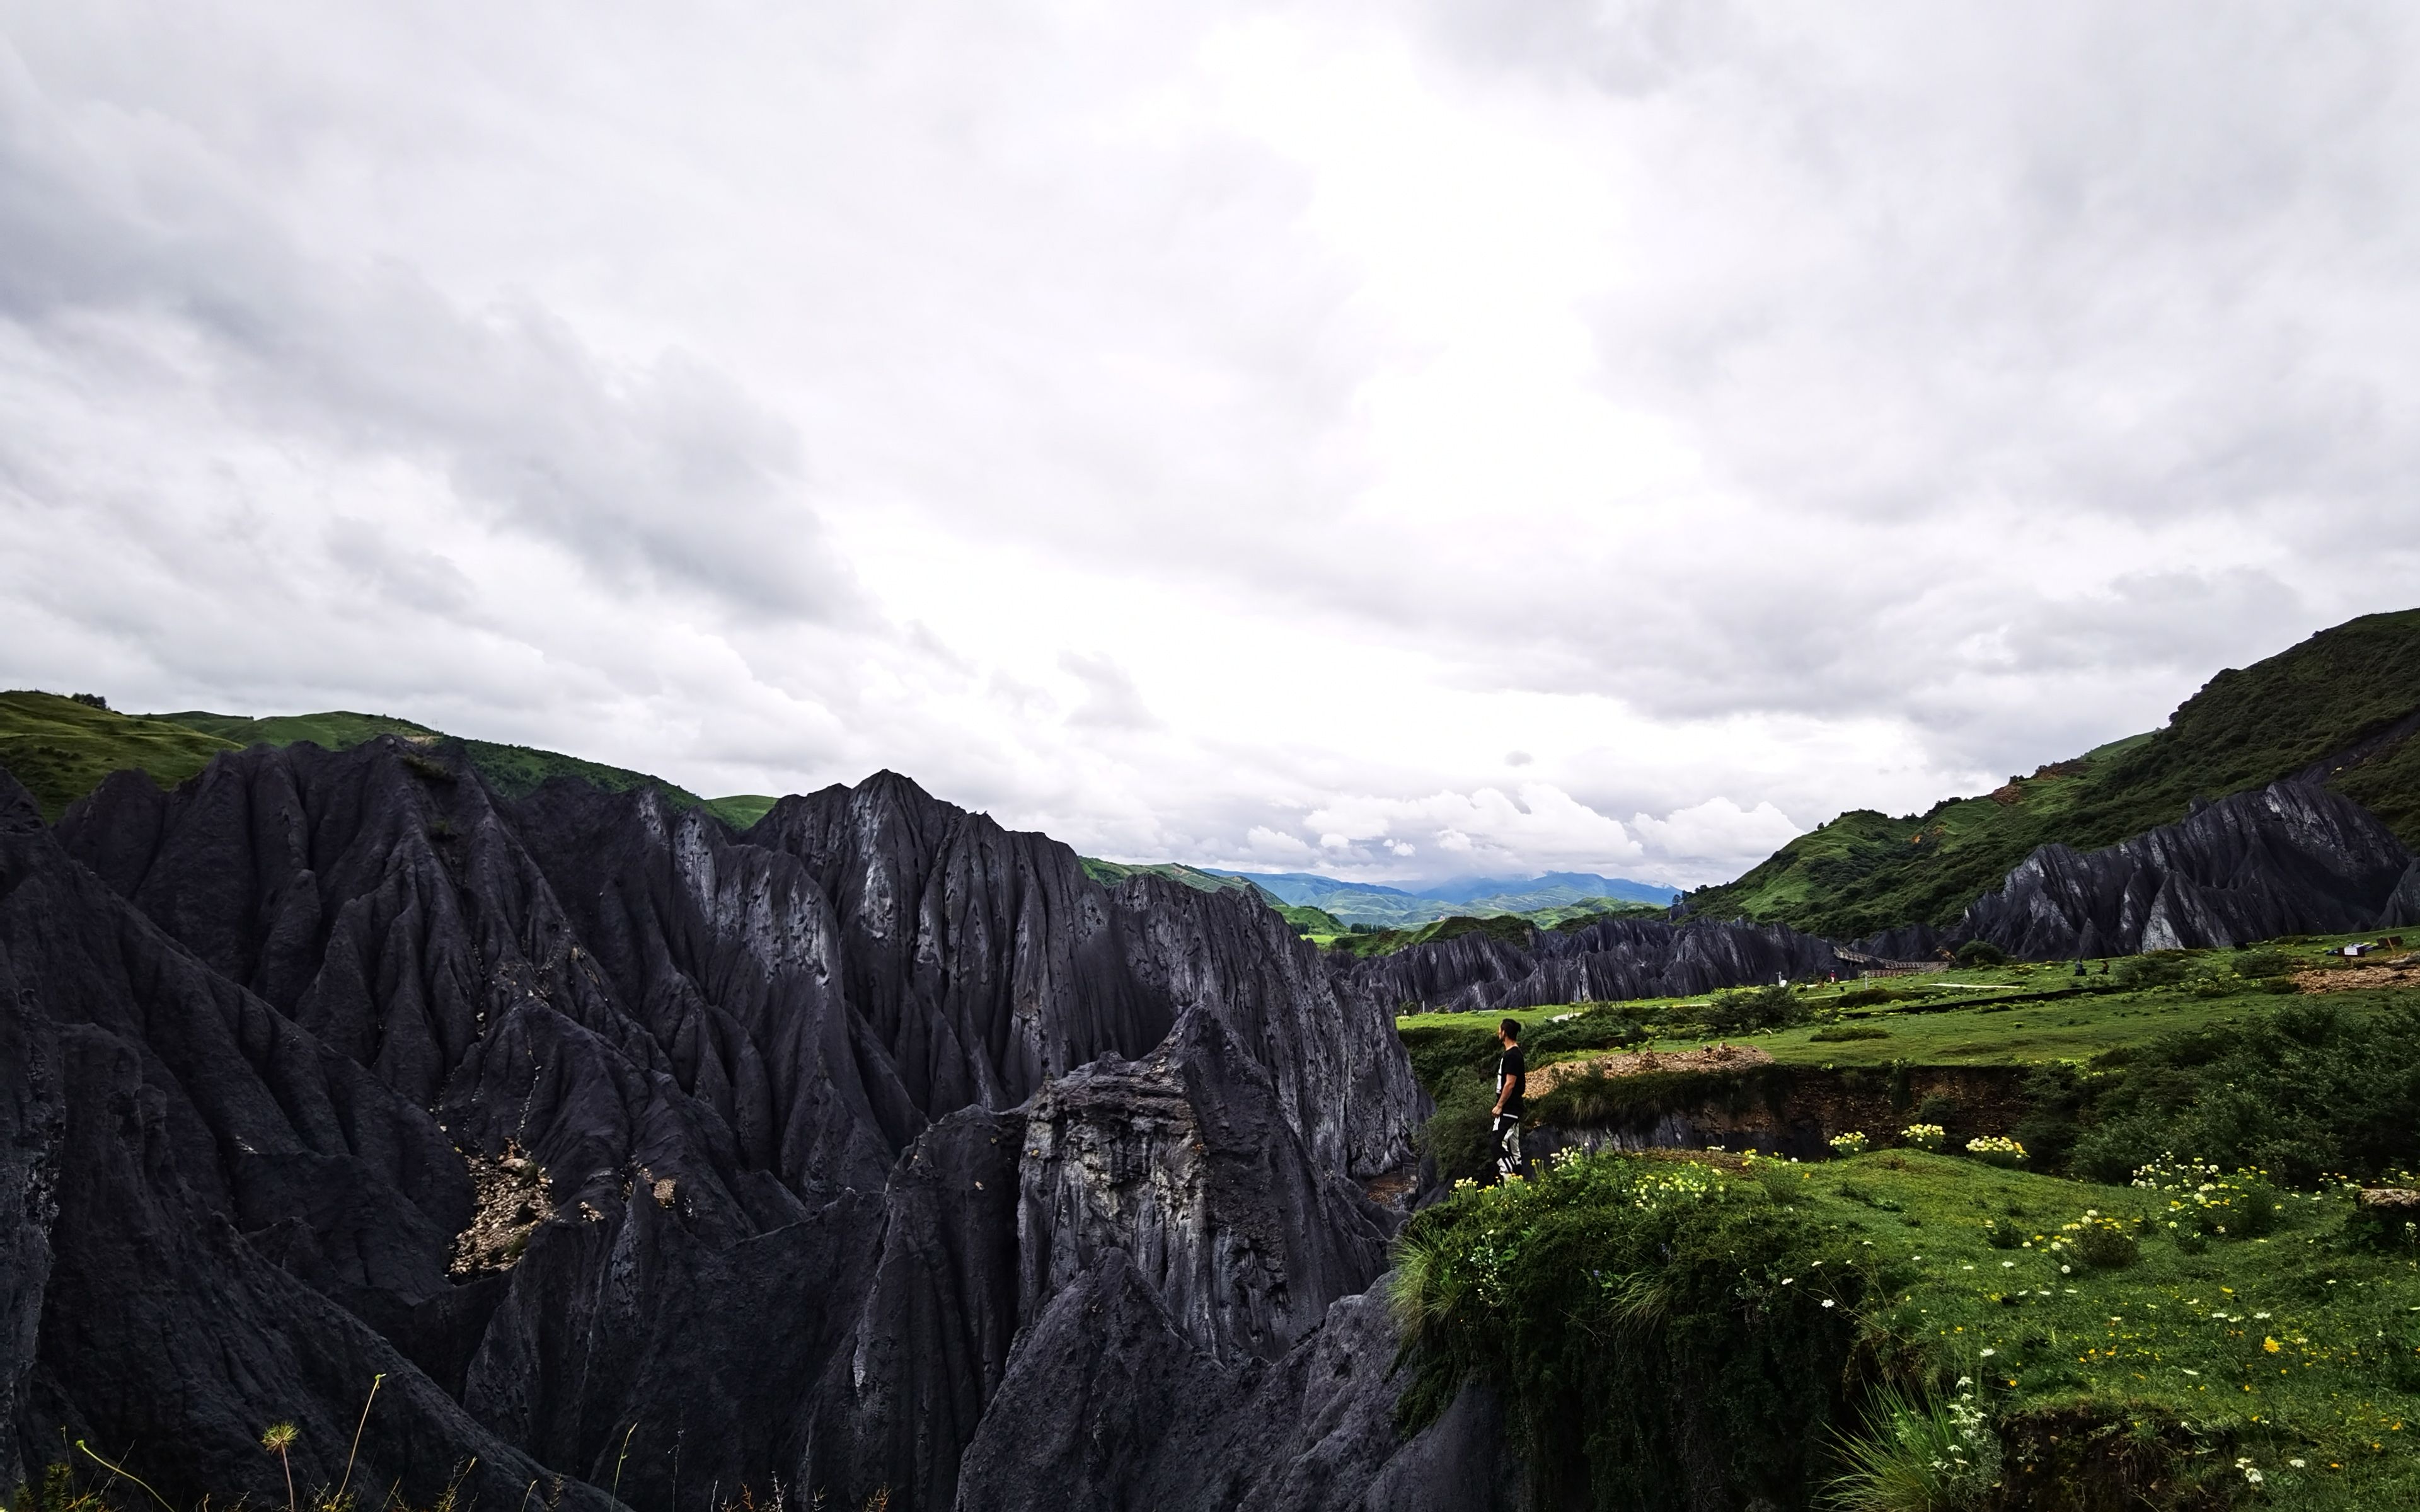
<point x="1111" y="700"/>
<point x="421" y="578"/>
<point x="656" y="470"/>
<point x="2024" y="367"/>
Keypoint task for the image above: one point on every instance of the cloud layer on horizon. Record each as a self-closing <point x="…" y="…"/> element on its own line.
<point x="1395" y="442"/>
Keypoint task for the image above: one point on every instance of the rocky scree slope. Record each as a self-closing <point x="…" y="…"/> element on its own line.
<point x="849" y="1130"/>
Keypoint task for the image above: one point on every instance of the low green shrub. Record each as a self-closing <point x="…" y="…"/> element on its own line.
<point x="1840" y="1033"/>
<point x="1580" y="1297"/>
<point x="1595" y="1029"/>
<point x="1939" y="1107"/>
<point x="2242" y="1204"/>
<point x="1747" y="1010"/>
<point x="2304" y="1091"/>
<point x="2140" y="971"/>
<point x="1929" y="1136"/>
<point x="1439" y="1051"/>
<point x="2261" y="961"/>
<point x="2103" y="1242"/>
<point x="1981" y="953"/>
<point x="1459" y="1136"/>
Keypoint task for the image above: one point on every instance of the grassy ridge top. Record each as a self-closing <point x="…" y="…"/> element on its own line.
<point x="61" y="749"/>
<point x="2342" y="705"/>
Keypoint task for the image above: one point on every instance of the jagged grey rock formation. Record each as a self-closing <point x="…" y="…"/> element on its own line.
<point x="2290" y="858"/>
<point x="2402" y="906"/>
<point x="1111" y="1407"/>
<point x="1607" y="961"/>
<point x="834" y="1120"/>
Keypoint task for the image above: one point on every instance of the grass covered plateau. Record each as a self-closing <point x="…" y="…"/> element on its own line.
<point x="1904" y="1331"/>
<point x="2083" y="1242"/>
<point x="2095" y="1070"/>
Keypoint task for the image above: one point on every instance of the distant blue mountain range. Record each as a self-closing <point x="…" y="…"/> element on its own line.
<point x="1583" y="885"/>
<point x="1369" y="902"/>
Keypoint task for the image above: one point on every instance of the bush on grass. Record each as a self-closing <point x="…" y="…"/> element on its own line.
<point x="2138" y="972"/>
<point x="2301" y="1092"/>
<point x="1747" y="1010"/>
<point x="2262" y="961"/>
<point x="2103" y="1242"/>
<point x="2242" y="1204"/>
<point x="1579" y="1297"/>
<point x="1460" y="1137"/>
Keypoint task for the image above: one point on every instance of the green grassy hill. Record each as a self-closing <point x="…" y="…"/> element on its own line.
<point x="2343" y="705"/>
<point x="61" y="749"/>
<point x="336" y="730"/>
<point x="1109" y="873"/>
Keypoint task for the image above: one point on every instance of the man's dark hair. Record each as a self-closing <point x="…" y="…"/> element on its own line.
<point x="1511" y="1028"/>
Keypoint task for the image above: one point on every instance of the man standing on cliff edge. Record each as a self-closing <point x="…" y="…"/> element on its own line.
<point x="1512" y="1081"/>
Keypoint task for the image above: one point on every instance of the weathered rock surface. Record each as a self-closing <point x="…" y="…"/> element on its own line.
<point x="1111" y="1407"/>
<point x="832" y="1120"/>
<point x="2290" y="858"/>
<point x="1608" y="961"/>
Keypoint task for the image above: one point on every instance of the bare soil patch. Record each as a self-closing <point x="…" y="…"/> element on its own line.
<point x="1639" y="1063"/>
<point x="2349" y="979"/>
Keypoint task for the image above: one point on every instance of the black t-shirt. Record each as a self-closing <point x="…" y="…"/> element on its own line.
<point x="1512" y="1064"/>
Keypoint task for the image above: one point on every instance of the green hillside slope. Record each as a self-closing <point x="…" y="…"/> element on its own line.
<point x="1109" y="873"/>
<point x="61" y="749"/>
<point x="514" y="771"/>
<point x="2344" y="705"/>
<point x="336" y="730"/>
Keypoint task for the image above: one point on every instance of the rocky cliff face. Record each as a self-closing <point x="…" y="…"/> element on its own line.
<point x="2290" y="858"/>
<point x="781" y="1157"/>
<point x="1608" y="961"/>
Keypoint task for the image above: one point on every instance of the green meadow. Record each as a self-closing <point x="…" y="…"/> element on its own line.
<point x="2171" y="1299"/>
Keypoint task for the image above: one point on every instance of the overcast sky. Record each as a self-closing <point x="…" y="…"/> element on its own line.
<point x="1401" y="439"/>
